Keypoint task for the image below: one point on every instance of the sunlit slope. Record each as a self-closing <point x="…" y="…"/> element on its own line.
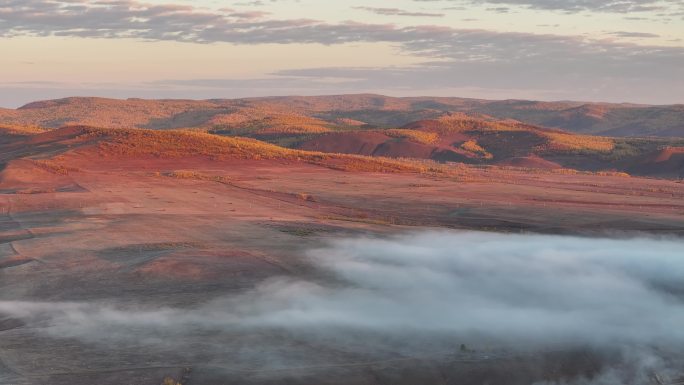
<point x="83" y="141"/>
<point x="320" y="113"/>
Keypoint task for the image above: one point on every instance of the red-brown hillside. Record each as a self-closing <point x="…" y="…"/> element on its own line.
<point x="531" y="161"/>
<point x="460" y="138"/>
<point x="188" y="220"/>
<point x="344" y="111"/>
<point x="666" y="162"/>
<point x="79" y="141"/>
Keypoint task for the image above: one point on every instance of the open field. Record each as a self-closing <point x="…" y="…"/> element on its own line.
<point x="88" y="216"/>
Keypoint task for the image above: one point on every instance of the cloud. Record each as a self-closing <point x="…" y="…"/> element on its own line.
<point x="634" y="34"/>
<point x="574" y="6"/>
<point x="398" y="12"/>
<point x="519" y="293"/>
<point x="499" y="9"/>
<point x="543" y="65"/>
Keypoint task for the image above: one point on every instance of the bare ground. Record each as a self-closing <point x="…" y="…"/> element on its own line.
<point x="181" y="232"/>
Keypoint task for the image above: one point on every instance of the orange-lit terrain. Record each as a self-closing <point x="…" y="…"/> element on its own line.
<point x="633" y="138"/>
<point x="178" y="218"/>
<point x="315" y="114"/>
<point x="264" y="192"/>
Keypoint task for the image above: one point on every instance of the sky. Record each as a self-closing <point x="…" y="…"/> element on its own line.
<point x="589" y="50"/>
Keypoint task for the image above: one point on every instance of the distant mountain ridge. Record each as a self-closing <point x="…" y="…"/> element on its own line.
<point x="320" y="113"/>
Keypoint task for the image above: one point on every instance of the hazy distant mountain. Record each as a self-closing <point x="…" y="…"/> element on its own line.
<point x="322" y="113"/>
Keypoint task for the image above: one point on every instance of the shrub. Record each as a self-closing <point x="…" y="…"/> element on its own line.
<point x="474" y="148"/>
<point x="422" y="137"/>
<point x="53" y="166"/>
<point x="170" y="381"/>
<point x="559" y="141"/>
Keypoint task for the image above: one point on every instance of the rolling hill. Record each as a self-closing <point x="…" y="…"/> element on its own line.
<point x="321" y="113"/>
<point x="459" y="138"/>
<point x="421" y="129"/>
<point x="48" y="148"/>
<point x="165" y="223"/>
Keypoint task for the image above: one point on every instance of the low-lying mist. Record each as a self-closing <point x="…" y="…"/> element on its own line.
<point x="428" y="291"/>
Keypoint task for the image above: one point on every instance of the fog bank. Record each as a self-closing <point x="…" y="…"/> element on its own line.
<point x="520" y="293"/>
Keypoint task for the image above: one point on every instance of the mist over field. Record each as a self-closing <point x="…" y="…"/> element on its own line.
<point x="419" y="293"/>
<point x="412" y="192"/>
